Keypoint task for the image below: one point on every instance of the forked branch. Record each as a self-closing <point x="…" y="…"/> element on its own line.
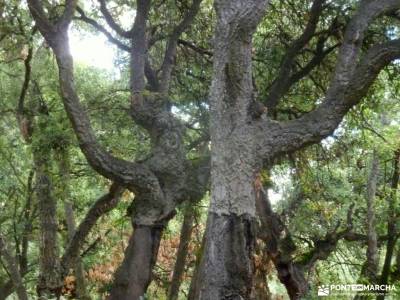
<point x="351" y="81"/>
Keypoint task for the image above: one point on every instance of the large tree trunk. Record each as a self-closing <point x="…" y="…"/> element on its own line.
<point x="179" y="269"/>
<point x="226" y="269"/>
<point x="134" y="275"/>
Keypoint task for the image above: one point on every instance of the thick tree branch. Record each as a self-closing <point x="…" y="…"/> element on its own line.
<point x="195" y="48"/>
<point x="170" y="52"/>
<point x="320" y="123"/>
<point x="103" y="205"/>
<point x="139" y="47"/>
<point x="282" y="82"/>
<point x="145" y="108"/>
<point x="149" y="72"/>
<point x="132" y="175"/>
<point x="135" y="176"/>
<point x="94" y="244"/>
<point x="350" y="83"/>
<point x="38" y="13"/>
<point x="111" y="22"/>
<point x="83" y="17"/>
<point x="280" y="246"/>
<point x="319" y="56"/>
<point x="68" y="13"/>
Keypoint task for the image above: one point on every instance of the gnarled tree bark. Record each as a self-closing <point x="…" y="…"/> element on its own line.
<point x="135" y="273"/>
<point x="161" y="181"/>
<point x="226" y="269"/>
<point x="242" y="135"/>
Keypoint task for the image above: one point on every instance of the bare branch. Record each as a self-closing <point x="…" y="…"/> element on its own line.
<point x="354" y="36"/>
<point x="195" y="48"/>
<point x="83" y="17"/>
